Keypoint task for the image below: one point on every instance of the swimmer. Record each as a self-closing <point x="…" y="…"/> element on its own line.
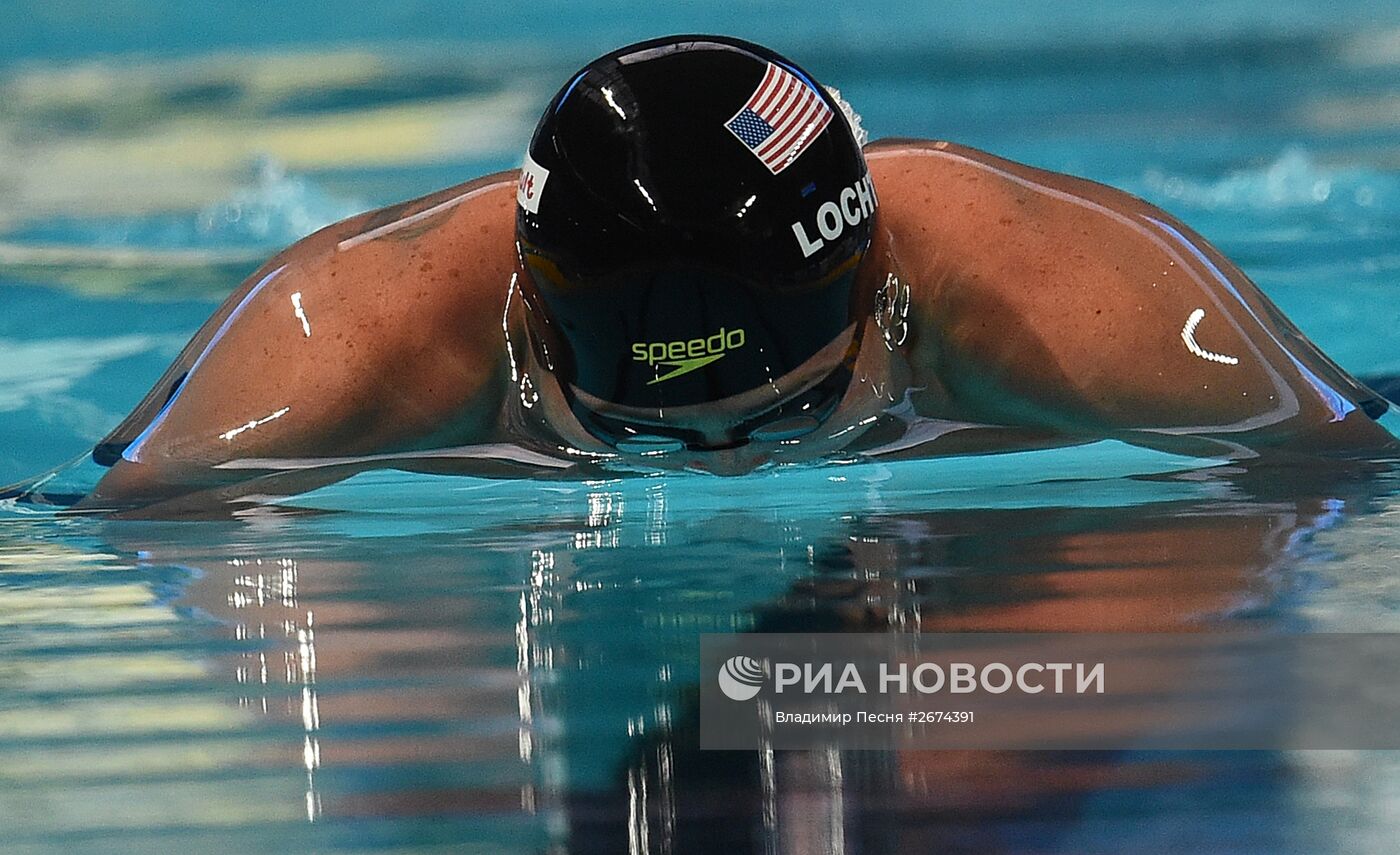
<point x="701" y="266"/>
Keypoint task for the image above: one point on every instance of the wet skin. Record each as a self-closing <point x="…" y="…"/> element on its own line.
<point x="1007" y="307"/>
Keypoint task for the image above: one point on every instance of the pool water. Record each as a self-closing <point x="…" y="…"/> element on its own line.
<point x="423" y="664"/>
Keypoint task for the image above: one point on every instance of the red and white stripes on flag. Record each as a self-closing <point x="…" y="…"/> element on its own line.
<point x="781" y="119"/>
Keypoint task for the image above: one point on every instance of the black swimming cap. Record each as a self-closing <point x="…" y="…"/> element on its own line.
<point x="691" y="215"/>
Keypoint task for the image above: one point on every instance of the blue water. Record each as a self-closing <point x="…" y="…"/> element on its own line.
<point x="435" y="664"/>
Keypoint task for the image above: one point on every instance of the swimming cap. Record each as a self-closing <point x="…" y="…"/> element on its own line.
<point x="691" y="215"/>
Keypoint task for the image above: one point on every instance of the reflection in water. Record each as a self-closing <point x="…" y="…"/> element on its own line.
<point x="529" y="683"/>
<point x="449" y="667"/>
<point x="256" y="590"/>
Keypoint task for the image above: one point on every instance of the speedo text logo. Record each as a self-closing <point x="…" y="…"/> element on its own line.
<point x="684" y="356"/>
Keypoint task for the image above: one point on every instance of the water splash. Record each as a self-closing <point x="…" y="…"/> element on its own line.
<point x="852" y="117"/>
<point x="1292" y="181"/>
<point x="271" y="210"/>
<point x="276" y="209"/>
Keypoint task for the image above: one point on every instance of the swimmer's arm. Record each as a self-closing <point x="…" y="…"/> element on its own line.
<point x="322" y="242"/>
<point x="1043" y="300"/>
<point x="380" y="346"/>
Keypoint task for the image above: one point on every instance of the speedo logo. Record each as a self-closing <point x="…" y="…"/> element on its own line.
<point x="685" y="356"/>
<point x="852" y="205"/>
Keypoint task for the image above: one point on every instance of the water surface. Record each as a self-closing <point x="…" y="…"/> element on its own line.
<point x="434" y="664"/>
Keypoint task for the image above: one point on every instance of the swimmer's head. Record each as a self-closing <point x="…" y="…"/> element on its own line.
<point x="691" y="215"/>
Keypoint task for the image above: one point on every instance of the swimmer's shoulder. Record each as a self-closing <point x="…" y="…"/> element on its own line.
<point x="950" y="173"/>
<point x="1059" y="301"/>
<point x="373" y="334"/>
<point x="402" y="222"/>
<point x="468" y="230"/>
<point x="481" y="207"/>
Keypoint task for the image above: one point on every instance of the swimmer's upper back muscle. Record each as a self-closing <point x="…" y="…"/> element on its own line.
<point x="380" y="333"/>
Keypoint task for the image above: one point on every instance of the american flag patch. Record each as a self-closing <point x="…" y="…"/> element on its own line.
<point x="782" y="117"/>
